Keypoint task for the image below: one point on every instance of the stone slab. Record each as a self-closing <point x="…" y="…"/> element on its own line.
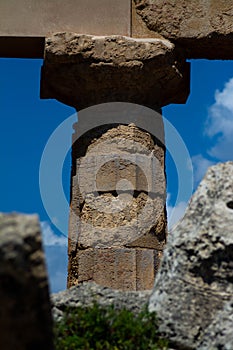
<point x="115" y="268"/>
<point x="27" y="21"/>
<point x="202" y="28"/>
<point x="25" y="315"/>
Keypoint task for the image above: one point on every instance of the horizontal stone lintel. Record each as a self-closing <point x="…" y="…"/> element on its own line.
<point x="201" y="28"/>
<point x="28" y="21"/>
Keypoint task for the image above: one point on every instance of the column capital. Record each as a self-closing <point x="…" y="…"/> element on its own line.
<point x="85" y="70"/>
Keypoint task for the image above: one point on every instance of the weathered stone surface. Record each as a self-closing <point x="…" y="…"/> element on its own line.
<point x="118" y="217"/>
<point x="219" y="334"/>
<point x="139" y="27"/>
<point x="25" y="316"/>
<point x="195" y="280"/>
<point x="203" y="28"/>
<point x="86" y="294"/>
<point x="85" y="70"/>
<point x="119" y="188"/>
<point x="119" y="268"/>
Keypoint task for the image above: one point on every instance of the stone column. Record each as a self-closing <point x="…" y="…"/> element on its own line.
<point x="118" y="217"/>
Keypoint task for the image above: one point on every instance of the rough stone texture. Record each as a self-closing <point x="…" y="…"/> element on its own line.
<point x="118" y="217"/>
<point x="119" y="268"/>
<point x="120" y="186"/>
<point x="25" y="316"/>
<point x="86" y="294"/>
<point x="219" y="334"/>
<point x="84" y="70"/>
<point x="204" y="28"/>
<point x="139" y="27"/>
<point x="195" y="280"/>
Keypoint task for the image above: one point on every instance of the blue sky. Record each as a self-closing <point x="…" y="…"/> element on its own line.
<point x="205" y="124"/>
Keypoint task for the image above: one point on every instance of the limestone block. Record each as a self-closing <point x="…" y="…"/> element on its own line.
<point x="24" y="24"/>
<point x="25" y="319"/>
<point x="195" y="280"/>
<point x="84" y="70"/>
<point x="145" y="274"/>
<point x="118" y="268"/>
<point x="27" y="18"/>
<point x="86" y="263"/>
<point x="203" y="28"/>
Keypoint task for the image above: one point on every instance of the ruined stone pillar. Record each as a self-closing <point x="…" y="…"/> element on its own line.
<point x="118" y="217"/>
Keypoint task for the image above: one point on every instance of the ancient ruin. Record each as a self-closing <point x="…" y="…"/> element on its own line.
<point x="129" y="52"/>
<point x="115" y="247"/>
<point x="118" y="63"/>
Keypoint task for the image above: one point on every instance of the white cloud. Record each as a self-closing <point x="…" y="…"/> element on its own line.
<point x="175" y="213"/>
<point x="219" y="124"/>
<point x="219" y="130"/>
<point x="50" y="238"/>
<point x="200" y="165"/>
<point x="55" y="248"/>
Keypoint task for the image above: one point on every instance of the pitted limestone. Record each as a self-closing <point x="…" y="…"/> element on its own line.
<point x="201" y="28"/>
<point x="195" y="280"/>
<point x="84" y="70"/>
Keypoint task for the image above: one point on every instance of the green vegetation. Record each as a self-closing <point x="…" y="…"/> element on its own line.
<point x="97" y="328"/>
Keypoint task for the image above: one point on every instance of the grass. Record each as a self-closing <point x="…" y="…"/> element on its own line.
<point x="97" y="328"/>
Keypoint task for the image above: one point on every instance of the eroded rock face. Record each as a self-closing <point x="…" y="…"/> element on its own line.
<point x="219" y="334"/>
<point x="203" y="28"/>
<point x="118" y="216"/>
<point x="84" y="70"/>
<point x="195" y="281"/>
<point x="25" y="317"/>
<point x="87" y="294"/>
